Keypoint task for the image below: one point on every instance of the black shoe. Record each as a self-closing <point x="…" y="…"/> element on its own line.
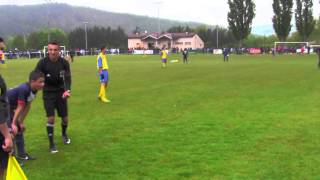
<point x="66" y="140"/>
<point x="20" y="162"/>
<point x="25" y="156"/>
<point x="53" y="149"/>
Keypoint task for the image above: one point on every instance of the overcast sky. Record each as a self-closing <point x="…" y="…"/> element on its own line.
<point x="205" y="11"/>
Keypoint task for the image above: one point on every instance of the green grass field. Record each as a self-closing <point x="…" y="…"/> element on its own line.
<point x="255" y="117"/>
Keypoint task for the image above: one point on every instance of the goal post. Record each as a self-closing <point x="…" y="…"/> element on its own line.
<point x="315" y="46"/>
<point x="279" y="42"/>
<point x="63" y="51"/>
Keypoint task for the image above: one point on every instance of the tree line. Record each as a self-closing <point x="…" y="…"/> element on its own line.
<point x="219" y="37"/>
<point x="242" y="12"/>
<point x="96" y="37"/>
<point x="238" y="33"/>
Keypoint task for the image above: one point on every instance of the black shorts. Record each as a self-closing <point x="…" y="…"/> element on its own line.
<point x="53" y="100"/>
<point x="4" y="156"/>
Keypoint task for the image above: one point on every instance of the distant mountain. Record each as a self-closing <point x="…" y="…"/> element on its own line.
<point x="26" y="19"/>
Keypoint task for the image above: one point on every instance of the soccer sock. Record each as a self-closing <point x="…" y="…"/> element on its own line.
<point x="100" y="91"/>
<point x="50" y="133"/>
<point x="103" y="91"/>
<point x="19" y="139"/>
<point x="64" y="129"/>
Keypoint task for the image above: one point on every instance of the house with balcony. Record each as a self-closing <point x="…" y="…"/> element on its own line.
<point x="165" y="40"/>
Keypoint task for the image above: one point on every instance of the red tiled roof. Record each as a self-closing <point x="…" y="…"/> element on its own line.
<point x="182" y="35"/>
<point x="157" y="36"/>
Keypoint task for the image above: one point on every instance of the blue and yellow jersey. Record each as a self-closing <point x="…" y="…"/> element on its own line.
<point x="164" y="54"/>
<point x="102" y="61"/>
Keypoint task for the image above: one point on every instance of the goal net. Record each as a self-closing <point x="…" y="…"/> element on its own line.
<point x="315" y="48"/>
<point x="315" y="45"/>
<point x="290" y="47"/>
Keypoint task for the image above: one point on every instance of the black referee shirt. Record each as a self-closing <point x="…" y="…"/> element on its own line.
<point x="55" y="72"/>
<point x="4" y="112"/>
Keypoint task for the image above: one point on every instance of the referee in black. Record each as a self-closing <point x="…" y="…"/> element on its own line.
<point x="56" y="91"/>
<point x="185" y="56"/>
<point x="318" y="53"/>
<point x="5" y="137"/>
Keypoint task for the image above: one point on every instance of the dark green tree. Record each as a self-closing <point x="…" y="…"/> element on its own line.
<point x="203" y="32"/>
<point x="177" y="29"/>
<point x="188" y="29"/>
<point x="209" y="37"/>
<point x="240" y="18"/>
<point x="18" y="42"/>
<point x="120" y="38"/>
<point x="305" y="22"/>
<point x="136" y="30"/>
<point x="37" y="40"/>
<point x="97" y="37"/>
<point x="59" y="36"/>
<point x="315" y="36"/>
<point x="282" y="18"/>
<point x="77" y="38"/>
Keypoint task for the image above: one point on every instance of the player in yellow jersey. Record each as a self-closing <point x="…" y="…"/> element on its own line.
<point x="164" y="56"/>
<point x="102" y="66"/>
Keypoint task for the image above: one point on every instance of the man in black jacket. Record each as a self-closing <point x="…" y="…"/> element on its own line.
<point x="5" y="137"/>
<point x="185" y="56"/>
<point x="318" y="53"/>
<point x="56" y="91"/>
<point x="225" y="54"/>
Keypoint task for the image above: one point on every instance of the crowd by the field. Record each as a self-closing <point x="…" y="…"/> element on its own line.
<point x="16" y="54"/>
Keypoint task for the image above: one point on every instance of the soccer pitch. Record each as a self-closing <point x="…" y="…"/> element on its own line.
<point x="254" y="117"/>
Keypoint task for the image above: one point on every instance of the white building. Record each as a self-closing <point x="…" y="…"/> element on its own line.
<point x="167" y="40"/>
